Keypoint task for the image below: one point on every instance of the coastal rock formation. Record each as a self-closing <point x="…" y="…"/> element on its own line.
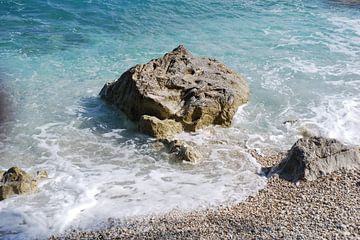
<point x="182" y="150"/>
<point x="157" y="128"/>
<point x="314" y="157"/>
<point x="193" y="91"/>
<point x="17" y="181"/>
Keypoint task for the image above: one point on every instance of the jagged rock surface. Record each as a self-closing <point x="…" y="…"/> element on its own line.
<point x="157" y="128"/>
<point x="182" y="150"/>
<point x="16" y="181"/>
<point x="193" y="91"/>
<point x="42" y="174"/>
<point x="314" y="157"/>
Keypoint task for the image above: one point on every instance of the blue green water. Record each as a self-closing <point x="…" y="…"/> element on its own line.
<point x="300" y="58"/>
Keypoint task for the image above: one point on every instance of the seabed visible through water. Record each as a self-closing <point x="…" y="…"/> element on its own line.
<point x="300" y="58"/>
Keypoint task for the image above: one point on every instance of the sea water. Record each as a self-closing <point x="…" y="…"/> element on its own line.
<point x="300" y="58"/>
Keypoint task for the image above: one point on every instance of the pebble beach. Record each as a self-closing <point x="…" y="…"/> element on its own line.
<point x="326" y="208"/>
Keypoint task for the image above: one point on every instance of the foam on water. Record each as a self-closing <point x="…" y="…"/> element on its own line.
<point x="111" y="175"/>
<point x="301" y="59"/>
<point x="336" y="118"/>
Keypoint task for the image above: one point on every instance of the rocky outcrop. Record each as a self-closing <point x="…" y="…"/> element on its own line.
<point x="314" y="157"/>
<point x="17" y="181"/>
<point x="157" y="128"/>
<point x="182" y="151"/>
<point x="193" y="91"/>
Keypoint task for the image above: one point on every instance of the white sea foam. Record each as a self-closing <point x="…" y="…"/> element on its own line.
<point x="96" y="177"/>
<point x="337" y="118"/>
<point x="301" y="62"/>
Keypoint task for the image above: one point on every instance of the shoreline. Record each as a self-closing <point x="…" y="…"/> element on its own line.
<point x="322" y="209"/>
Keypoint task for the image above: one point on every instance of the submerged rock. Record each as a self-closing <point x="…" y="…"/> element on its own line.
<point x="159" y="128"/>
<point x="193" y="91"/>
<point x="42" y="174"/>
<point x="17" y="181"/>
<point x="290" y="121"/>
<point x="314" y="157"/>
<point x="182" y="150"/>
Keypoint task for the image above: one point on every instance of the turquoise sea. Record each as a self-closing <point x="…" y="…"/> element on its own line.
<point x="300" y="58"/>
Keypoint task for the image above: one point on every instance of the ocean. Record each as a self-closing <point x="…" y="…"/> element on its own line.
<point x="300" y="58"/>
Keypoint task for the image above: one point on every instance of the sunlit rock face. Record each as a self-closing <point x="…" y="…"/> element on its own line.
<point x="193" y="91"/>
<point x="313" y="157"/>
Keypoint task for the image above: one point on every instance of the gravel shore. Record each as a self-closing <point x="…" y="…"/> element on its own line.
<point x="328" y="208"/>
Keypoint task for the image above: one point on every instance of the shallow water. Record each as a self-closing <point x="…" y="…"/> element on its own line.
<point x="301" y="59"/>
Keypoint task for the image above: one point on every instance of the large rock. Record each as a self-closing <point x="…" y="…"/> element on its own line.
<point x="193" y="91"/>
<point x="16" y="181"/>
<point x="314" y="157"/>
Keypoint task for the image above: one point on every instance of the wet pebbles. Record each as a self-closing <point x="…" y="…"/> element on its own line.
<point x="328" y="208"/>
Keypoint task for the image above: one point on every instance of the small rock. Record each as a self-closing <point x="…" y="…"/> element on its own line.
<point x="182" y="150"/>
<point x="42" y="174"/>
<point x="16" y="181"/>
<point x="159" y="128"/>
<point x="314" y="157"/>
<point x="290" y="122"/>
